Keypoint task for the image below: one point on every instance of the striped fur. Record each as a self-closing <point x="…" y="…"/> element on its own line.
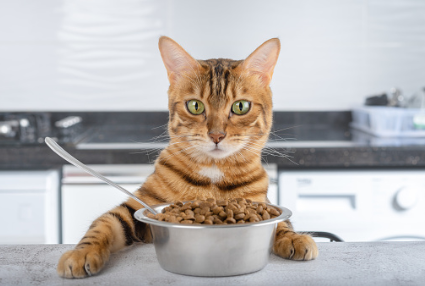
<point x="193" y="166"/>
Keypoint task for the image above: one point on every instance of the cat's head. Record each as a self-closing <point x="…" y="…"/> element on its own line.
<point x="219" y="108"/>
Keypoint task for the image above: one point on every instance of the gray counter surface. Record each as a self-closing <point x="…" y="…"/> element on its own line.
<point x="371" y="263"/>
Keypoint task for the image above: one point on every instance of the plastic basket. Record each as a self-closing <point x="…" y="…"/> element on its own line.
<point x="387" y="121"/>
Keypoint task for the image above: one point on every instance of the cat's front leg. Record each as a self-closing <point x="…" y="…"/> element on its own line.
<point x="291" y="245"/>
<point x="111" y="232"/>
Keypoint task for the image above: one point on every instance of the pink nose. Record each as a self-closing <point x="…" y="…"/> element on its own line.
<point x="216" y="137"/>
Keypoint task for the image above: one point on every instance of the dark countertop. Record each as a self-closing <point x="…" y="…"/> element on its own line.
<point x="299" y="140"/>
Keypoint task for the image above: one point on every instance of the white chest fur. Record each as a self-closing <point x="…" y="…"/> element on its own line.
<point x="212" y="172"/>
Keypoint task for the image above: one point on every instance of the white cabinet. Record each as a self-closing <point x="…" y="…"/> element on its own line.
<point x="29" y="209"/>
<point x="82" y="204"/>
<point x="85" y="198"/>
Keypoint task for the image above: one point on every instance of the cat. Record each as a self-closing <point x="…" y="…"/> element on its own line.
<point x="220" y="115"/>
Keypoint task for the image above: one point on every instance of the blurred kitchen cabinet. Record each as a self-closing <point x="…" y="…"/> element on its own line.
<point x="29" y="209"/>
<point x="84" y="198"/>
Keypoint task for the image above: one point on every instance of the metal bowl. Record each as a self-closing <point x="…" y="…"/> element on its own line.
<point x="213" y="250"/>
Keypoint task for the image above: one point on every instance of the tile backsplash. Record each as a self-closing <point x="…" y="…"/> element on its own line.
<point x="102" y="54"/>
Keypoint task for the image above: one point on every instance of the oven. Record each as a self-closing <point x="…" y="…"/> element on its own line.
<point x="356" y="205"/>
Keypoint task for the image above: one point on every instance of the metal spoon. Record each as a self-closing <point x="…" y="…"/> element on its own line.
<point x="58" y="150"/>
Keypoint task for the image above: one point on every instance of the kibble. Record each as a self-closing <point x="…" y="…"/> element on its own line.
<point x="211" y="211"/>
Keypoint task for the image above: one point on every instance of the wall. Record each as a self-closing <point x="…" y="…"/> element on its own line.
<point x="102" y="55"/>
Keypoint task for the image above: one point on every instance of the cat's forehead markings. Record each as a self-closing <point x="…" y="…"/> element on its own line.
<point x="190" y="90"/>
<point x="218" y="71"/>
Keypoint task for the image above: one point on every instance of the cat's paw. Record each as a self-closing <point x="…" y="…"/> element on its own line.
<point x="83" y="262"/>
<point x="296" y="247"/>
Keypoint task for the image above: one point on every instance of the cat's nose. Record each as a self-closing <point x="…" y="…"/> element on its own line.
<point x="216" y="137"/>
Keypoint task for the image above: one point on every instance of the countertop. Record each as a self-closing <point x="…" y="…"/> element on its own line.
<point x="300" y="140"/>
<point x="366" y="263"/>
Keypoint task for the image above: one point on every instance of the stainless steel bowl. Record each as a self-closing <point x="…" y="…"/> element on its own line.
<point x="213" y="250"/>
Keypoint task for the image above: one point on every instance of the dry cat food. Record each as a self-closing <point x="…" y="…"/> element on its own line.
<point x="211" y="211"/>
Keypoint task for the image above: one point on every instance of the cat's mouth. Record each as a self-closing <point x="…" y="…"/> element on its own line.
<point x="219" y="152"/>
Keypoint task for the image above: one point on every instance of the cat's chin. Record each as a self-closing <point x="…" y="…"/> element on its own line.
<point x="223" y="151"/>
<point x="219" y="153"/>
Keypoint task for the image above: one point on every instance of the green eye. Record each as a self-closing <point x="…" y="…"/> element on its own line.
<point x="241" y="107"/>
<point x="195" y="106"/>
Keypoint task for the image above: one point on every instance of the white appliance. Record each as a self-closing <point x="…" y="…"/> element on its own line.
<point x="29" y="207"/>
<point x="357" y="205"/>
<point x="84" y="198"/>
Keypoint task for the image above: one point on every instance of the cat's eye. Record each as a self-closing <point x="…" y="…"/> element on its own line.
<point x="195" y="106"/>
<point x="241" y="107"/>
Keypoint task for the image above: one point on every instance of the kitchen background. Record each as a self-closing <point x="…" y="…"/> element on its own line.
<point x="103" y="55"/>
<point x="89" y="73"/>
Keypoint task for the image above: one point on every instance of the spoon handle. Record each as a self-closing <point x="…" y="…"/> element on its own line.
<point x="68" y="157"/>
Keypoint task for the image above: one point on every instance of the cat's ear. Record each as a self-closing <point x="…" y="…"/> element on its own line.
<point x="263" y="60"/>
<point x="176" y="60"/>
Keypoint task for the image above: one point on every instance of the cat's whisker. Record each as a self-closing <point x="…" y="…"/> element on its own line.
<point x="249" y="150"/>
<point x="154" y="150"/>
<point x="186" y="141"/>
<point x="180" y="142"/>
<point x="160" y="126"/>
<point x="281" y="139"/>
<point x="265" y="159"/>
<point x="165" y="132"/>
<point x="266" y="150"/>
<point x="160" y="138"/>
<point x="283" y="129"/>
<point x="164" y="139"/>
<point x="281" y="134"/>
<point x="147" y="153"/>
<point x="157" y="149"/>
<point x="271" y="151"/>
<point x="178" y="152"/>
<point x="254" y="149"/>
<point x="171" y="137"/>
<point x="271" y="154"/>
<point x="269" y="140"/>
<point x="262" y="158"/>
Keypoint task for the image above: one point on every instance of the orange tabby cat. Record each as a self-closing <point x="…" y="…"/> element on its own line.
<point x="220" y="118"/>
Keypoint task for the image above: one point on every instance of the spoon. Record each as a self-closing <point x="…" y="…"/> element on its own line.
<point x="58" y="150"/>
